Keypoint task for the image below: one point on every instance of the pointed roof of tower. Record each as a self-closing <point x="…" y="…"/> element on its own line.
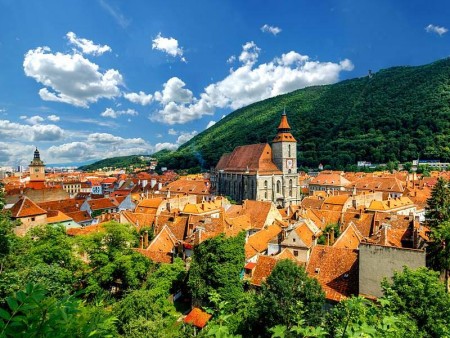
<point x="36" y="159"/>
<point x="284" y="130"/>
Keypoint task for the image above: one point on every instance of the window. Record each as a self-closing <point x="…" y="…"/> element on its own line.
<point x="296" y="253"/>
<point x="289" y="150"/>
<point x="265" y="194"/>
<point x="278" y="187"/>
<point x="32" y="219"/>
<point x="290" y="188"/>
<point x="265" y="184"/>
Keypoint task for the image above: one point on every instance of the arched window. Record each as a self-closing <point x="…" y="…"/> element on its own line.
<point x="278" y="187"/>
<point x="265" y="184"/>
<point x="290" y="188"/>
<point x="289" y="150"/>
<point x="265" y="195"/>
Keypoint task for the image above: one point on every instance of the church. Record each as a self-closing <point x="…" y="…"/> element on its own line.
<point x="260" y="171"/>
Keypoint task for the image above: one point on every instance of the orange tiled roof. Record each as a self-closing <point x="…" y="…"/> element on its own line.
<point x="79" y="216"/>
<point x="336" y="269"/>
<point x="85" y="230"/>
<point x="197" y="317"/>
<point x="252" y="158"/>
<point x="259" y="241"/>
<point x="263" y="269"/>
<point x="329" y="179"/>
<point x="312" y="202"/>
<point x="101" y="203"/>
<point x="385" y="184"/>
<point x="139" y="219"/>
<point x="349" y="239"/>
<point x="58" y="217"/>
<point x="66" y="205"/>
<point x="161" y="248"/>
<point x="25" y="207"/>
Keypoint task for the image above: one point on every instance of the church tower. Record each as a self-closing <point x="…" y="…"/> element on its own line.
<point x="284" y="153"/>
<point x="284" y="148"/>
<point x="37" y="168"/>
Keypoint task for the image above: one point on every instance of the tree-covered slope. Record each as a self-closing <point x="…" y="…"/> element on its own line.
<point x="399" y="113"/>
<point x="116" y="162"/>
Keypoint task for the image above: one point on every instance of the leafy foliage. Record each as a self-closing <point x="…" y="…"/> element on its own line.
<point x="216" y="266"/>
<point x="290" y="296"/>
<point x="32" y="313"/>
<point x="420" y="295"/>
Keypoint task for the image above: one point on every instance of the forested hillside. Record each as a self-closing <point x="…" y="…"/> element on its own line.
<point x="397" y="114"/>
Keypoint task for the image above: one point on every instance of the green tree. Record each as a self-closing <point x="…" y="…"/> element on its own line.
<point x="33" y="313"/>
<point x="358" y="317"/>
<point x="439" y="250"/>
<point x="421" y="296"/>
<point x="216" y="266"/>
<point x="289" y="296"/>
<point x="115" y="266"/>
<point x="438" y="205"/>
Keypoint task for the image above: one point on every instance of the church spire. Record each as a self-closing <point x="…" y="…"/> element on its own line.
<point x="284" y="130"/>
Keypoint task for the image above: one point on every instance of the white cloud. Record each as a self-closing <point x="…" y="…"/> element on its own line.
<point x="121" y="20"/>
<point x="210" y="124"/>
<point x="109" y="112"/>
<point x="73" y="151"/>
<point x="436" y="29"/>
<point x="165" y="145"/>
<point x="270" y="29"/>
<point x="250" y="53"/>
<point x="245" y="85"/>
<point x="186" y="136"/>
<point x="231" y="59"/>
<point x="70" y="78"/>
<point x="36" y="119"/>
<point x="37" y="132"/>
<point x="87" y="46"/>
<point x="174" y="91"/>
<point x="14" y="153"/>
<point x="105" y="138"/>
<point x="53" y="118"/>
<point x="168" y="46"/>
<point x="172" y="131"/>
<point x="139" y="98"/>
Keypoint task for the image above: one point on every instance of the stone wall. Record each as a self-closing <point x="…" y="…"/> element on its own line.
<point x="377" y="262"/>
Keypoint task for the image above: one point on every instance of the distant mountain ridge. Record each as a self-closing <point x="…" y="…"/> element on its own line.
<point x="397" y="114"/>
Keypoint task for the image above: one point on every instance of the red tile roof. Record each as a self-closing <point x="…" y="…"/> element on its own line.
<point x="197" y="317"/>
<point x="336" y="269"/>
<point x="252" y="158"/>
<point x="25" y="207"/>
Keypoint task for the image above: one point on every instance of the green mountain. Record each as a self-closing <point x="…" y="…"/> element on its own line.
<point x="116" y="162"/>
<point x="397" y="114"/>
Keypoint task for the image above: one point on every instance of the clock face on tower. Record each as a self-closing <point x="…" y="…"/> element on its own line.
<point x="289" y="164"/>
<point x="36" y="170"/>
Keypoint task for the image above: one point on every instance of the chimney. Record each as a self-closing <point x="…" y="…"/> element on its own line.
<point x="332" y="236"/>
<point x="146" y="239"/>
<point x="327" y="240"/>
<point x="141" y="242"/>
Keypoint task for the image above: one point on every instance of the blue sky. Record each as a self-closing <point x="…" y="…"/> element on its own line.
<point x="91" y="79"/>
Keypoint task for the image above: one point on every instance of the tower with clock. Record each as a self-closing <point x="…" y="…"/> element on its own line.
<point x="284" y="153"/>
<point x="37" y="168"/>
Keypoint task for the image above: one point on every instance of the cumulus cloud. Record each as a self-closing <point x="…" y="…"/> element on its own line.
<point x="186" y="136"/>
<point x="36" y="132"/>
<point x="250" y="53"/>
<point x="174" y="91"/>
<point x="53" y="118"/>
<point x="270" y="29"/>
<point x="139" y="98"/>
<point x="105" y="138"/>
<point x="109" y="112"/>
<point x="247" y="84"/>
<point x="210" y="124"/>
<point x="165" y="145"/>
<point x="36" y="119"/>
<point x="436" y="29"/>
<point x="79" y="151"/>
<point x="13" y="153"/>
<point x="168" y="46"/>
<point x="172" y="131"/>
<point x="70" y="78"/>
<point x="87" y="46"/>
